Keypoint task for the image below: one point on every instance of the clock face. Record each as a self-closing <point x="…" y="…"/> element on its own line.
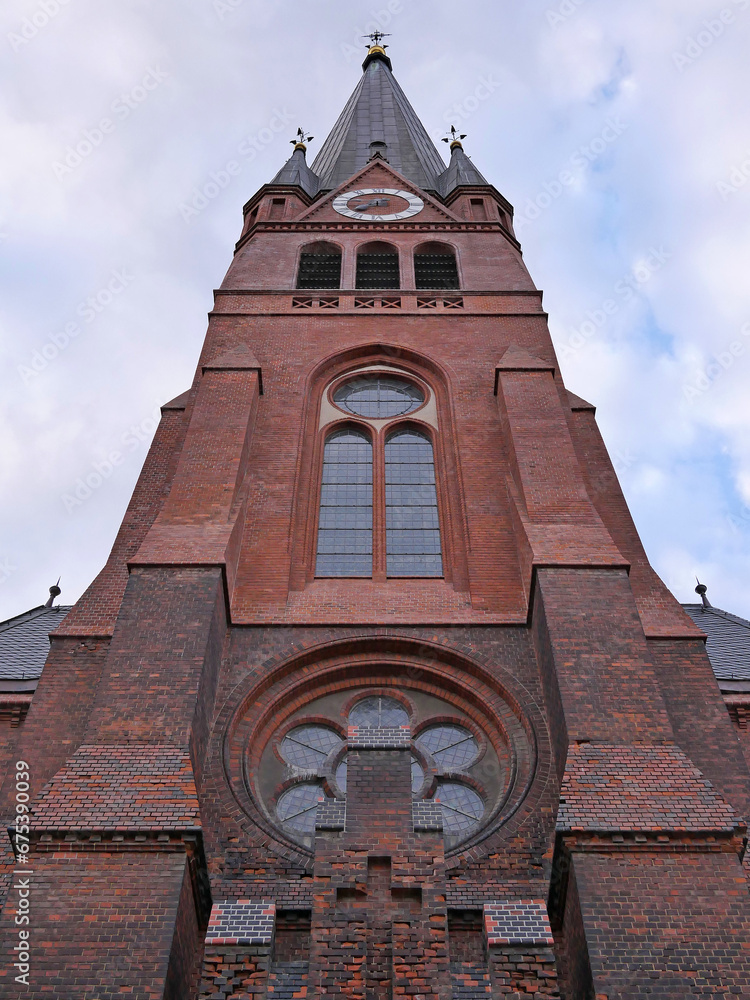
<point x="378" y="205"/>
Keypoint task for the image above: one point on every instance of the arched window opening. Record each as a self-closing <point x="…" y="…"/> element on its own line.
<point x="435" y="266"/>
<point x="378" y="266"/>
<point x="412" y="523"/>
<point x="345" y="527"/>
<point x="319" y="266"/>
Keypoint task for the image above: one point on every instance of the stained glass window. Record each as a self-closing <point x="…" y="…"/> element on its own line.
<point x="412" y="525"/>
<point x="378" y="396"/>
<point x="298" y="805"/>
<point x="378" y="713"/>
<point x="461" y="806"/>
<point x="452" y="747"/>
<point x="345" y="527"/>
<point x="307" y="747"/>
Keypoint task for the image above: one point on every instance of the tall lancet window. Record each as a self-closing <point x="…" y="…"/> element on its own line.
<point x="345" y="529"/>
<point x="412" y="523"/>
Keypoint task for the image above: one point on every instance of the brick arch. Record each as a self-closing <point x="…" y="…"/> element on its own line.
<point x="307" y="479"/>
<point x="283" y="684"/>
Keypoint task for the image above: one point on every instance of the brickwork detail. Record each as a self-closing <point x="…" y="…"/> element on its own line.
<point x="379" y="739"/>
<point x="427" y="817"/>
<point x="522" y="971"/>
<point x="235" y="972"/>
<point x="120" y="788"/>
<point x="639" y="788"/>
<point x="242" y="921"/>
<point x="517" y="922"/>
<point x="331" y="815"/>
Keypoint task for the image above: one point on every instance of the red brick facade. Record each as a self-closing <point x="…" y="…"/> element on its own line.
<point x="167" y="861"/>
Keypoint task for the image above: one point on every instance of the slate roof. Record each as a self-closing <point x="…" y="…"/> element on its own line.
<point x="378" y="111"/>
<point x="460" y="173"/>
<point x="728" y="641"/>
<point x="296" y="172"/>
<point x="24" y="642"/>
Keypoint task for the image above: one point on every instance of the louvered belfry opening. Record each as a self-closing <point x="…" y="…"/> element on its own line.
<point x="435" y="267"/>
<point x="378" y="266"/>
<point x="320" y="266"/>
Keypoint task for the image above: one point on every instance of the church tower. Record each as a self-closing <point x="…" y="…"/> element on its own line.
<point x="377" y="695"/>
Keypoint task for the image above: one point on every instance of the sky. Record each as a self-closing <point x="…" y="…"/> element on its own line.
<point x="619" y="131"/>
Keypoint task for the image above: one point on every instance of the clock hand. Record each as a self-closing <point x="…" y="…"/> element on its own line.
<point x="377" y="203"/>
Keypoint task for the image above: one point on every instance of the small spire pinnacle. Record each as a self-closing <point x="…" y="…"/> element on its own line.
<point x="454" y="138"/>
<point x="53" y="593"/>
<point x="301" y="140"/>
<point x="702" y="589"/>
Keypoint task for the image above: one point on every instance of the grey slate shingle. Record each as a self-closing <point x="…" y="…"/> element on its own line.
<point x="24" y="642"/>
<point x="728" y="641"/>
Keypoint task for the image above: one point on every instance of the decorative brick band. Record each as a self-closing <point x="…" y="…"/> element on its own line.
<point x="122" y="788"/>
<point x="427" y="817"/>
<point x="241" y="921"/>
<point x="379" y="739"/>
<point x="644" y="788"/>
<point x="331" y="815"/>
<point x="517" y="922"/>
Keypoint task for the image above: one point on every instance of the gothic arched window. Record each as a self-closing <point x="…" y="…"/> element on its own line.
<point x="379" y="513"/>
<point x="345" y="526"/>
<point x="435" y="266"/>
<point x="319" y="266"/>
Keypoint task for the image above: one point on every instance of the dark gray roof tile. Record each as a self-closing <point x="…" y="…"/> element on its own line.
<point x="24" y="642"/>
<point x="728" y="644"/>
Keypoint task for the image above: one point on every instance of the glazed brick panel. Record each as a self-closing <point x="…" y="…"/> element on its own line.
<point x="158" y="658"/>
<point x="103" y="925"/>
<point x="96" y="611"/>
<point x="599" y="657"/>
<point x="666" y="924"/>
<point x="59" y="713"/>
<point x="707" y="735"/>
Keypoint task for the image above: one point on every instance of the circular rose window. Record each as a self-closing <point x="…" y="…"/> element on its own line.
<point x="378" y="396"/>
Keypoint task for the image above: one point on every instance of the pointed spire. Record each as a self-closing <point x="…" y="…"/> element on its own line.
<point x="295" y="171"/>
<point x="461" y="171"/>
<point x="378" y="112"/>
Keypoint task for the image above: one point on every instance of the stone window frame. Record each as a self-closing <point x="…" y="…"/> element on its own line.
<point x="379" y="430"/>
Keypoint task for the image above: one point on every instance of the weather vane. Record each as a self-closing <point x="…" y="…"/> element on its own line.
<point x="302" y="138"/>
<point x="454" y="136"/>
<point x="377" y="37"/>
